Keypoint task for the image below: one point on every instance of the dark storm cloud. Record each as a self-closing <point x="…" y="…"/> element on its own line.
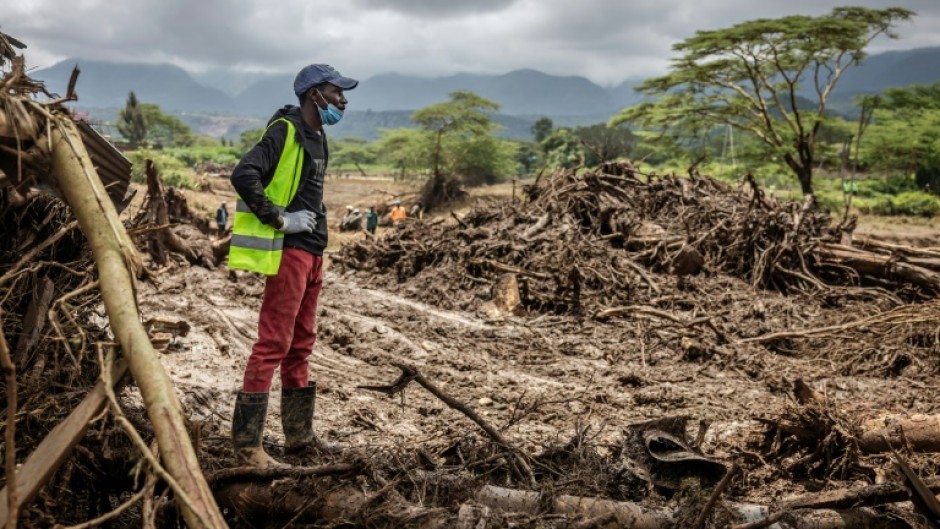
<point x="435" y="8"/>
<point x="605" y="40"/>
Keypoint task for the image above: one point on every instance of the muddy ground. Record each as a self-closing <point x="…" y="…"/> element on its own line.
<point x="540" y="378"/>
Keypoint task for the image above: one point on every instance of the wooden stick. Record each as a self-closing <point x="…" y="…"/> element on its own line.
<point x="9" y="372"/>
<point x="409" y="373"/>
<point x="713" y="499"/>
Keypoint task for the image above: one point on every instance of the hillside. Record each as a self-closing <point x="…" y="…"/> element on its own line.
<point x="106" y="84"/>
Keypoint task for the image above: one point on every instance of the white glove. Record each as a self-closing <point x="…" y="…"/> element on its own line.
<point x="304" y="221"/>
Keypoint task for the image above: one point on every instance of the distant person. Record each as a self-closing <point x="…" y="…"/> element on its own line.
<point x="417" y="211"/>
<point x="345" y="220"/>
<point x="221" y="218"/>
<point x="372" y="220"/>
<point x="284" y="237"/>
<point x="352" y="220"/>
<point x="398" y="213"/>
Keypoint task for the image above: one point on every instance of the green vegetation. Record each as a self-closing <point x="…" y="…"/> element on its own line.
<point x="747" y="77"/>
<point x="131" y="122"/>
<point x="173" y="171"/>
<point x="455" y="145"/>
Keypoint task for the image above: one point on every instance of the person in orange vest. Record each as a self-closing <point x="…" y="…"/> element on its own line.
<point x="398" y="213"/>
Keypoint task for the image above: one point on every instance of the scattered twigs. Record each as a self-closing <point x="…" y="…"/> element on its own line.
<point x="900" y="314"/>
<point x="9" y="438"/>
<point x="515" y="270"/>
<point x="709" y="506"/>
<point x="410" y="373"/>
<point x="63" y="231"/>
<point x="656" y="313"/>
<point x="114" y="513"/>
<point x="462" y="223"/>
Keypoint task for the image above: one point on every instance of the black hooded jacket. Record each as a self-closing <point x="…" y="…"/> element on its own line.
<point x="256" y="169"/>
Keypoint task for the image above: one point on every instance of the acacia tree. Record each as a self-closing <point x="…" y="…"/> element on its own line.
<point x="164" y="129"/>
<point x="749" y="76"/>
<point x="466" y="116"/>
<point x="131" y="123"/>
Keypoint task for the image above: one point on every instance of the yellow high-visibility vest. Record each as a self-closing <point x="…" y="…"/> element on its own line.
<point x="256" y="246"/>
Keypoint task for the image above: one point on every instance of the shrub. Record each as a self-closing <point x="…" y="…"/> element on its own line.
<point x="173" y="172"/>
<point x="916" y="203"/>
<point x="912" y="203"/>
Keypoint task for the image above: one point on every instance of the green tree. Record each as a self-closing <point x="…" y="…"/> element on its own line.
<point x="563" y="148"/>
<point x="604" y="143"/>
<point x="466" y="116"/>
<point x="352" y="151"/>
<point x="747" y="76"/>
<point x="131" y="122"/>
<point x="165" y="130"/>
<point x="483" y="159"/>
<point x="406" y="149"/>
<point x="248" y="139"/>
<point x="905" y="134"/>
<point x="541" y="129"/>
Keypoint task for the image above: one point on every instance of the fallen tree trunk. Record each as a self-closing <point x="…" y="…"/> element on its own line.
<point x="879" y="266"/>
<point x="164" y="238"/>
<point x="920" y="433"/>
<point x="116" y="258"/>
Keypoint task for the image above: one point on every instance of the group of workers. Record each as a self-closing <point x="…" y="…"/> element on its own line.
<point x="352" y="220"/>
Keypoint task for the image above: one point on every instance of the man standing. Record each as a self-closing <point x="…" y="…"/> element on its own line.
<point x="280" y="231"/>
<point x="221" y="218"/>
<point x="372" y="220"/>
<point x="398" y="213"/>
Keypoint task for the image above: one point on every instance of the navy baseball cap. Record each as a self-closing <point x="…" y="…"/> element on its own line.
<point x="315" y="74"/>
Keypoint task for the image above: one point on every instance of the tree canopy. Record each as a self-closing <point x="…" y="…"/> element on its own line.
<point x="460" y="145"/>
<point x="750" y="77"/>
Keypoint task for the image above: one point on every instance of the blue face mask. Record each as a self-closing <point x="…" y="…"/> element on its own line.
<point x="331" y="115"/>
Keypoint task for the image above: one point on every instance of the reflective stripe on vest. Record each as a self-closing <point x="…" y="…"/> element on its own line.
<point x="256" y="246"/>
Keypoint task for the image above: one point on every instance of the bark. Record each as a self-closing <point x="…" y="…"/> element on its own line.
<point x="920" y="433"/>
<point x="159" y="216"/>
<point x="116" y="258"/>
<point x="880" y="266"/>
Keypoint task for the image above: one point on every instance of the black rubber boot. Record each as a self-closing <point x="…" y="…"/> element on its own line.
<point x="247" y="429"/>
<point x="297" y="409"/>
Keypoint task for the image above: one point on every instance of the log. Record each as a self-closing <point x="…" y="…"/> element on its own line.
<point x="58" y="444"/>
<point x="920" y="433"/>
<point x="879" y="266"/>
<point x="627" y="515"/>
<point x="861" y="497"/>
<point x="116" y="259"/>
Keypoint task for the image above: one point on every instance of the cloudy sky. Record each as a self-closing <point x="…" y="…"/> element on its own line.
<point x="605" y="40"/>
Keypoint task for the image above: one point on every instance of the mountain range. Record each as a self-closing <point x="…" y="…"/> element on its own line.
<point x="386" y="101"/>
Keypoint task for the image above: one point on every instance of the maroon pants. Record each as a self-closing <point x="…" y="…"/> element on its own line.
<point x="287" y="324"/>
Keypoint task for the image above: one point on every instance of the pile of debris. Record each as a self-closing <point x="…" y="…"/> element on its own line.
<point x="586" y="243"/>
